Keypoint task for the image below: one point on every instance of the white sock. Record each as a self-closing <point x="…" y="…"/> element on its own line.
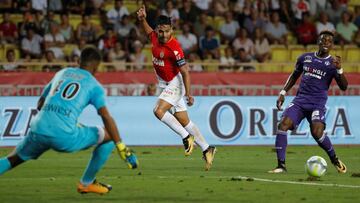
<point x="174" y="124"/>
<point x="199" y="138"/>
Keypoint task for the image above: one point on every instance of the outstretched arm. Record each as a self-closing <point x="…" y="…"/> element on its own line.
<point x="184" y="70"/>
<point x="340" y="78"/>
<point x="109" y="124"/>
<point x="291" y="80"/>
<point x="288" y="85"/>
<point x="141" y="13"/>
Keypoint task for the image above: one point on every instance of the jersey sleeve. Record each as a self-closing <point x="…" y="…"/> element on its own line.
<point x="152" y="36"/>
<point x="299" y="64"/>
<point x="179" y="55"/>
<point x="46" y="89"/>
<point x="97" y="98"/>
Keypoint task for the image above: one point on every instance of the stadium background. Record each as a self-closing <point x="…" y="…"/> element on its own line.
<point x="241" y="39"/>
<point x="234" y="47"/>
<point x="243" y="55"/>
<point x="236" y="73"/>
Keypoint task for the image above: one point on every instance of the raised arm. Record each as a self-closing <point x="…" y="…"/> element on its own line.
<point x="340" y="78"/>
<point x="141" y="13"/>
<point x="110" y="126"/>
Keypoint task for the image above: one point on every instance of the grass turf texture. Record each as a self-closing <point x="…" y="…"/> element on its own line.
<point x="165" y="175"/>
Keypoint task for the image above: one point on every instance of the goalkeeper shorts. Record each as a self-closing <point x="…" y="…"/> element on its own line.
<point x="33" y="145"/>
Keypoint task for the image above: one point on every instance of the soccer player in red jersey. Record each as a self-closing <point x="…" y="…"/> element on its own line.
<point x="174" y="80"/>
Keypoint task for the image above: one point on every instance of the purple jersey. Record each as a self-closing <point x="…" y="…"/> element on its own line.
<point x="316" y="78"/>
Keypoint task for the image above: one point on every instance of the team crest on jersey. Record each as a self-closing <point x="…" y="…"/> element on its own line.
<point x="327" y="63"/>
<point x="308" y="59"/>
<point x="161" y="54"/>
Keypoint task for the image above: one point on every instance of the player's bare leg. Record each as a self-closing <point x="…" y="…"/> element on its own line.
<point x="317" y="131"/>
<point x="208" y="151"/>
<point x="281" y="144"/>
<point x="161" y="111"/>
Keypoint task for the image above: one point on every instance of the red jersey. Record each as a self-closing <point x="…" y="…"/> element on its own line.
<point x="110" y="42"/>
<point x="8" y="29"/>
<point x="166" y="58"/>
<point x="306" y="33"/>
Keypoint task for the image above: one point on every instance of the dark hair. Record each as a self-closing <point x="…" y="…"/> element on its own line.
<point x="163" y="20"/>
<point x="89" y="55"/>
<point x="326" y="32"/>
<point x="49" y="51"/>
<point x="109" y="27"/>
<point x="10" y="51"/>
<point x="30" y="26"/>
<point x="209" y="28"/>
<point x="65" y="13"/>
<point x="85" y="15"/>
<point x="124" y="16"/>
<point x="307" y="14"/>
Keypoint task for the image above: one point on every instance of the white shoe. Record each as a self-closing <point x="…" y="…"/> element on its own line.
<point x="278" y="170"/>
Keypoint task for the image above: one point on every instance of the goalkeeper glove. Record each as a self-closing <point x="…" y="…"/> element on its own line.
<point x="127" y="155"/>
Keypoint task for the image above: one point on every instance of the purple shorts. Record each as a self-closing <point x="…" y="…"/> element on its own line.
<point x="297" y="112"/>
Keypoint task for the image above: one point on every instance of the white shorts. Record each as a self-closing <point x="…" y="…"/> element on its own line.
<point x="174" y="93"/>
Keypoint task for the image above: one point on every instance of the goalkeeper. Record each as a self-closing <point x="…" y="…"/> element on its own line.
<point x="56" y="124"/>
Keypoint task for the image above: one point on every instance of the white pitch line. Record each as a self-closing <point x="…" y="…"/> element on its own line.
<point x="206" y="177"/>
<point x="271" y="181"/>
<point x="298" y="183"/>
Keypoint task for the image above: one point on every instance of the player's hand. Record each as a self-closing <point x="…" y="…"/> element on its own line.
<point x="337" y="62"/>
<point x="132" y="160"/>
<point x="280" y="101"/>
<point x="189" y="100"/>
<point x="127" y="155"/>
<point x="141" y="13"/>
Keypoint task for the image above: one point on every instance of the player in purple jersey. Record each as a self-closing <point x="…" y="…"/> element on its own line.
<point x="317" y="70"/>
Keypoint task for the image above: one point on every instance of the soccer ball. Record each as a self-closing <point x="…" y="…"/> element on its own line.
<point x="316" y="166"/>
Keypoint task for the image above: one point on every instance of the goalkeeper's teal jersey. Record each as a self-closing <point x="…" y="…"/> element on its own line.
<point x="68" y="93"/>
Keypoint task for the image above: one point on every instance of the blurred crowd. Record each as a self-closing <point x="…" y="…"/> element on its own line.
<point x="226" y="31"/>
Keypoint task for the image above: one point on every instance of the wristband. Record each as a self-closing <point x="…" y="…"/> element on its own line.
<point x="282" y="92"/>
<point x="120" y="146"/>
<point x="340" y="71"/>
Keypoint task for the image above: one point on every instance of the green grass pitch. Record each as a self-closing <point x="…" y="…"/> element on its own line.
<point x="166" y="175"/>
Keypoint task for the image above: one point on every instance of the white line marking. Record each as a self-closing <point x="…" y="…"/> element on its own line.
<point x="187" y="177"/>
<point x="271" y="181"/>
<point x="298" y="183"/>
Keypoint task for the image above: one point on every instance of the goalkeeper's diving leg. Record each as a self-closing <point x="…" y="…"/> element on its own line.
<point x="31" y="147"/>
<point x="100" y="155"/>
<point x="9" y="162"/>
